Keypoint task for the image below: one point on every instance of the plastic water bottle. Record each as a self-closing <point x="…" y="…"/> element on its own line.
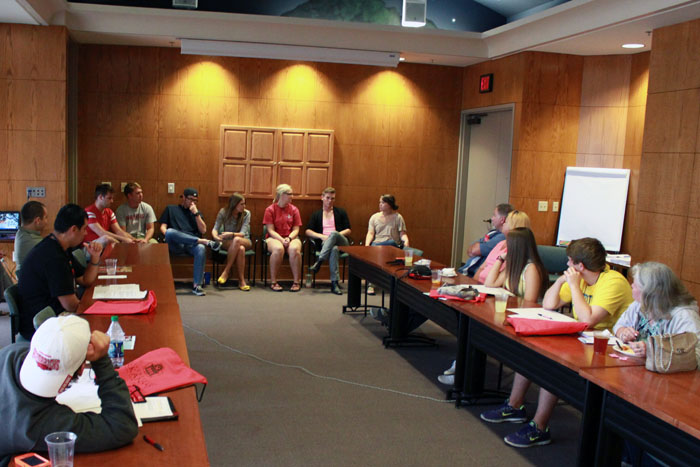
<point x="116" y="342"/>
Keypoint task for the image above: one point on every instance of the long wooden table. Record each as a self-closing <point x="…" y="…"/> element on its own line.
<point x="658" y="412"/>
<point x="553" y="362"/>
<point x="182" y="440"/>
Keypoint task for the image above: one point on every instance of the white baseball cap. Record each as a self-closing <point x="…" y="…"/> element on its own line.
<point x="58" y="349"/>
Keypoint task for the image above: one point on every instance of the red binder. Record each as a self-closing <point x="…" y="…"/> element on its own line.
<point x="124" y="307"/>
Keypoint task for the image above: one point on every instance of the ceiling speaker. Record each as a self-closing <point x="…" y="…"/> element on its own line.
<point x="413" y="14"/>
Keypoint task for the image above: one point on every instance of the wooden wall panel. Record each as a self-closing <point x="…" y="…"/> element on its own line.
<point x="669" y="173"/>
<point x="394" y="129"/>
<point x="674" y="63"/>
<point x="32" y="116"/>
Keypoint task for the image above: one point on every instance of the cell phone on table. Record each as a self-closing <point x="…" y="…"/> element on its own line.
<point x="31" y="460"/>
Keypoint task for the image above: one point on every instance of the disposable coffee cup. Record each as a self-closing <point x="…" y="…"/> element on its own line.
<point x="61" y="447"/>
<point x="600" y="342"/>
<point x="111" y="266"/>
<point x="408" y="257"/>
<point x="501" y="301"/>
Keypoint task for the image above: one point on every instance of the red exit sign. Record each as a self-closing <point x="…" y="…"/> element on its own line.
<point x="486" y="83"/>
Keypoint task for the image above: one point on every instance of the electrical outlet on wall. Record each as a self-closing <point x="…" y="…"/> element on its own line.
<point x="36" y="192"/>
<point x="555" y="206"/>
<point x="171" y="188"/>
<point x="542" y="206"/>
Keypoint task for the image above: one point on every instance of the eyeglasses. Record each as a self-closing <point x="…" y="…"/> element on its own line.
<point x="193" y="199"/>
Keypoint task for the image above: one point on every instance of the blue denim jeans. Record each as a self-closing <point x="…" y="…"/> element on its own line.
<point x="181" y="243"/>
<point x="329" y="252"/>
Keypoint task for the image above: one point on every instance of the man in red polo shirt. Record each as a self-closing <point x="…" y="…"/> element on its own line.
<point x="101" y="219"/>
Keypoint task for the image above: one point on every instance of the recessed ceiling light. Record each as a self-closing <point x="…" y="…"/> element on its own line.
<point x="454" y="20"/>
<point x="632" y="46"/>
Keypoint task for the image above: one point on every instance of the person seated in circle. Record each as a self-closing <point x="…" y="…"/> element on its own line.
<point x="232" y="229"/>
<point x="386" y="227"/>
<point x="283" y="220"/>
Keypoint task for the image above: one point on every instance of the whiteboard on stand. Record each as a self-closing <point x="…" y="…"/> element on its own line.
<point x="593" y="205"/>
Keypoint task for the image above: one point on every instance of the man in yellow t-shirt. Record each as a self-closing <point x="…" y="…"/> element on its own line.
<point x="598" y="297"/>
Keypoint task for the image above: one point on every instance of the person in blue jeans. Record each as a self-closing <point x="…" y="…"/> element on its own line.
<point x="183" y="227"/>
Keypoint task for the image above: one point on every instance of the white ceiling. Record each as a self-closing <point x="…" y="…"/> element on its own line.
<point x="583" y="27"/>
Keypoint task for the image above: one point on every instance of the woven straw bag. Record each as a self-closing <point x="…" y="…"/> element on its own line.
<point x="671" y="353"/>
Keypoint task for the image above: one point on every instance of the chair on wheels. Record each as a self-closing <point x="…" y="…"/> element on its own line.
<point x="266" y="256"/>
<point x="13" y="300"/>
<point x="219" y="258"/>
<point x="312" y="255"/>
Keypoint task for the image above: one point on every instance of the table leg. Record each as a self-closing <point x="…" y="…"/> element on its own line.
<point x="590" y="424"/>
<point x="456" y="391"/>
<point x="354" y="292"/>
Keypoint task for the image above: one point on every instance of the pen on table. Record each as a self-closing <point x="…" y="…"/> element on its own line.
<point x="152" y="443"/>
<point x="544" y="316"/>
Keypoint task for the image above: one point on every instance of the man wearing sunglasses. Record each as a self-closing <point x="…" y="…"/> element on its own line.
<point x="183" y="227"/>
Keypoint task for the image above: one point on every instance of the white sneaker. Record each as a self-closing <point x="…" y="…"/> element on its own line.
<point x="451" y="370"/>
<point x="198" y="291"/>
<point x="447" y="379"/>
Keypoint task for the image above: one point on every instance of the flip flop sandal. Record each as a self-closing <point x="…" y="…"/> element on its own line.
<point x="296" y="287"/>
<point x="276" y="287"/>
<point x="245" y="288"/>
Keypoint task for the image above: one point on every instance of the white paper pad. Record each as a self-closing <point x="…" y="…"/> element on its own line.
<point x="106" y="276"/>
<point x="119" y="291"/>
<point x="129" y="342"/>
<point x="81" y="396"/>
<point x="541" y="313"/>
<point x="154" y="407"/>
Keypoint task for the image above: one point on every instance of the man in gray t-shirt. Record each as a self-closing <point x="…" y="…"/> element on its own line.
<point x="135" y="217"/>
<point x="34" y="220"/>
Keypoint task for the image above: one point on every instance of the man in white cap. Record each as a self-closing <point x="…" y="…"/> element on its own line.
<point x="31" y="376"/>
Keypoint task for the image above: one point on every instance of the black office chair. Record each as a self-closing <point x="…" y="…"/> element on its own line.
<point x="554" y="260"/>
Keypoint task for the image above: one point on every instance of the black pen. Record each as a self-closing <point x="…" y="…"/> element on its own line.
<point x="152" y="443"/>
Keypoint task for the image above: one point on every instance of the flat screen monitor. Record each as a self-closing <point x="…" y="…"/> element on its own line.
<point x="9" y="222"/>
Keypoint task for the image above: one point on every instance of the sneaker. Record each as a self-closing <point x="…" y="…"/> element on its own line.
<point x="198" y="291"/>
<point x="215" y="246"/>
<point x="370" y="290"/>
<point x="316" y="266"/>
<point x="377" y="313"/>
<point x="335" y="288"/>
<point x="451" y="370"/>
<point x="447" y="379"/>
<point x="528" y="436"/>
<point x="505" y="413"/>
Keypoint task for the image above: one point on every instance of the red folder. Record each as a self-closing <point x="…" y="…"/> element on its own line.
<point x="124" y="307"/>
<point x="544" y="327"/>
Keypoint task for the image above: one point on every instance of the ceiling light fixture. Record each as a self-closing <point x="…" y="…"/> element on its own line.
<point x="288" y="52"/>
<point x="632" y="46"/>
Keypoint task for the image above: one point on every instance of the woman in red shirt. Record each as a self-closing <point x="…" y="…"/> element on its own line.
<point x="282" y="220"/>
